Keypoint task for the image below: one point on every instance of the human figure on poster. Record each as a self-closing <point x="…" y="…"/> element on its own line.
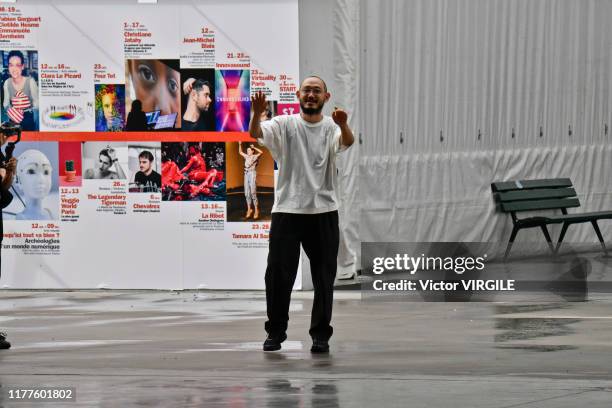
<point x="171" y="174"/>
<point x="198" y="103"/>
<point x="108" y="110"/>
<point x="137" y="119"/>
<point x="195" y="169"/>
<point x="157" y="85"/>
<point x="20" y="94"/>
<point x="147" y="179"/>
<point x="206" y="187"/>
<point x="33" y="181"/>
<point x="7" y="174"/>
<point x="305" y="211"/>
<point x="107" y="159"/>
<point x="251" y="159"/>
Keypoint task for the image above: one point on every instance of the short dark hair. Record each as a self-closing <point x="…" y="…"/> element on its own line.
<point x="136" y="106"/>
<point x="104" y="152"/>
<point x="145" y="154"/>
<point x="314" y="76"/>
<point x="199" y="84"/>
<point x="16" y="53"/>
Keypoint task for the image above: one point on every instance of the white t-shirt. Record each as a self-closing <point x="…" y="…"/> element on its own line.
<point x="306" y="156"/>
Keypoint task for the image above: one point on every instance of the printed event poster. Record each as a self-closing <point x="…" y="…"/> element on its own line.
<point x="135" y="167"/>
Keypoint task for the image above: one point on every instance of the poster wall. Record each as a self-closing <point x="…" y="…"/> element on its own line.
<point x="135" y="168"/>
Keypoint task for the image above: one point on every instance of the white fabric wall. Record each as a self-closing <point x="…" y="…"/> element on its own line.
<point x="447" y="196"/>
<point x="346" y="72"/>
<point x="460" y="68"/>
<point x="329" y="49"/>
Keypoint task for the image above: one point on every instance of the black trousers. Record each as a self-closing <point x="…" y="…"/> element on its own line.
<point x="319" y="236"/>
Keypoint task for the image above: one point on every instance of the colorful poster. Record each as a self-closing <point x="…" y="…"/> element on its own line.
<point x="232" y="100"/>
<point x="136" y="169"/>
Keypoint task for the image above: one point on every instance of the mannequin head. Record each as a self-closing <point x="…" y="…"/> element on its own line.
<point x="34" y="175"/>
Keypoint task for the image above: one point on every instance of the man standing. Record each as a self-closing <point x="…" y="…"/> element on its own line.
<point x="198" y="102"/>
<point x="305" y="208"/>
<point x="6" y="174"/>
<point x="147" y="177"/>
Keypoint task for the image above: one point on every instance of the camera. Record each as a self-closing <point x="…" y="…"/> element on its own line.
<point x="12" y="131"/>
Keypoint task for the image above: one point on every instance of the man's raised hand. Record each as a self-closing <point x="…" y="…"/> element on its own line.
<point x="258" y="103"/>
<point x="340" y="117"/>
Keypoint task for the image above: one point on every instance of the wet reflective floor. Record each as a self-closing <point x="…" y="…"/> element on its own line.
<point x="167" y="349"/>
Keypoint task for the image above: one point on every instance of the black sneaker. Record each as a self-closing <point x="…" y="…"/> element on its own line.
<point x="319" y="346"/>
<point x="3" y="343"/>
<point x="273" y="343"/>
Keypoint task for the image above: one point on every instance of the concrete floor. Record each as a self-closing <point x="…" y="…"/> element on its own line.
<point x="121" y="349"/>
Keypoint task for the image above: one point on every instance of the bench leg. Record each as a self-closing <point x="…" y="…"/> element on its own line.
<point x="601" y="240"/>
<point x="547" y="235"/>
<point x="515" y="231"/>
<point x="561" y="236"/>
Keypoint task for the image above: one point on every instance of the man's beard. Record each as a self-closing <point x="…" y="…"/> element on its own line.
<point x="311" y="111"/>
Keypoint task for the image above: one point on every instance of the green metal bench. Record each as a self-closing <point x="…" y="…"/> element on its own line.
<point x="544" y="194"/>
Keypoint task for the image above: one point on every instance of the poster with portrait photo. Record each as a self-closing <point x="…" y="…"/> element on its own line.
<point x="110" y="107"/>
<point x="20" y="96"/>
<point x="198" y="107"/>
<point x="193" y="171"/>
<point x="250" y="182"/>
<point x="153" y="95"/>
<point x="36" y="185"/>
<point x="232" y="100"/>
<point x="144" y="166"/>
<point x="105" y="160"/>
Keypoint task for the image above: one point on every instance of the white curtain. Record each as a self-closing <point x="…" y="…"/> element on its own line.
<point x="346" y="72"/>
<point x="455" y="94"/>
<point x="457" y="67"/>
